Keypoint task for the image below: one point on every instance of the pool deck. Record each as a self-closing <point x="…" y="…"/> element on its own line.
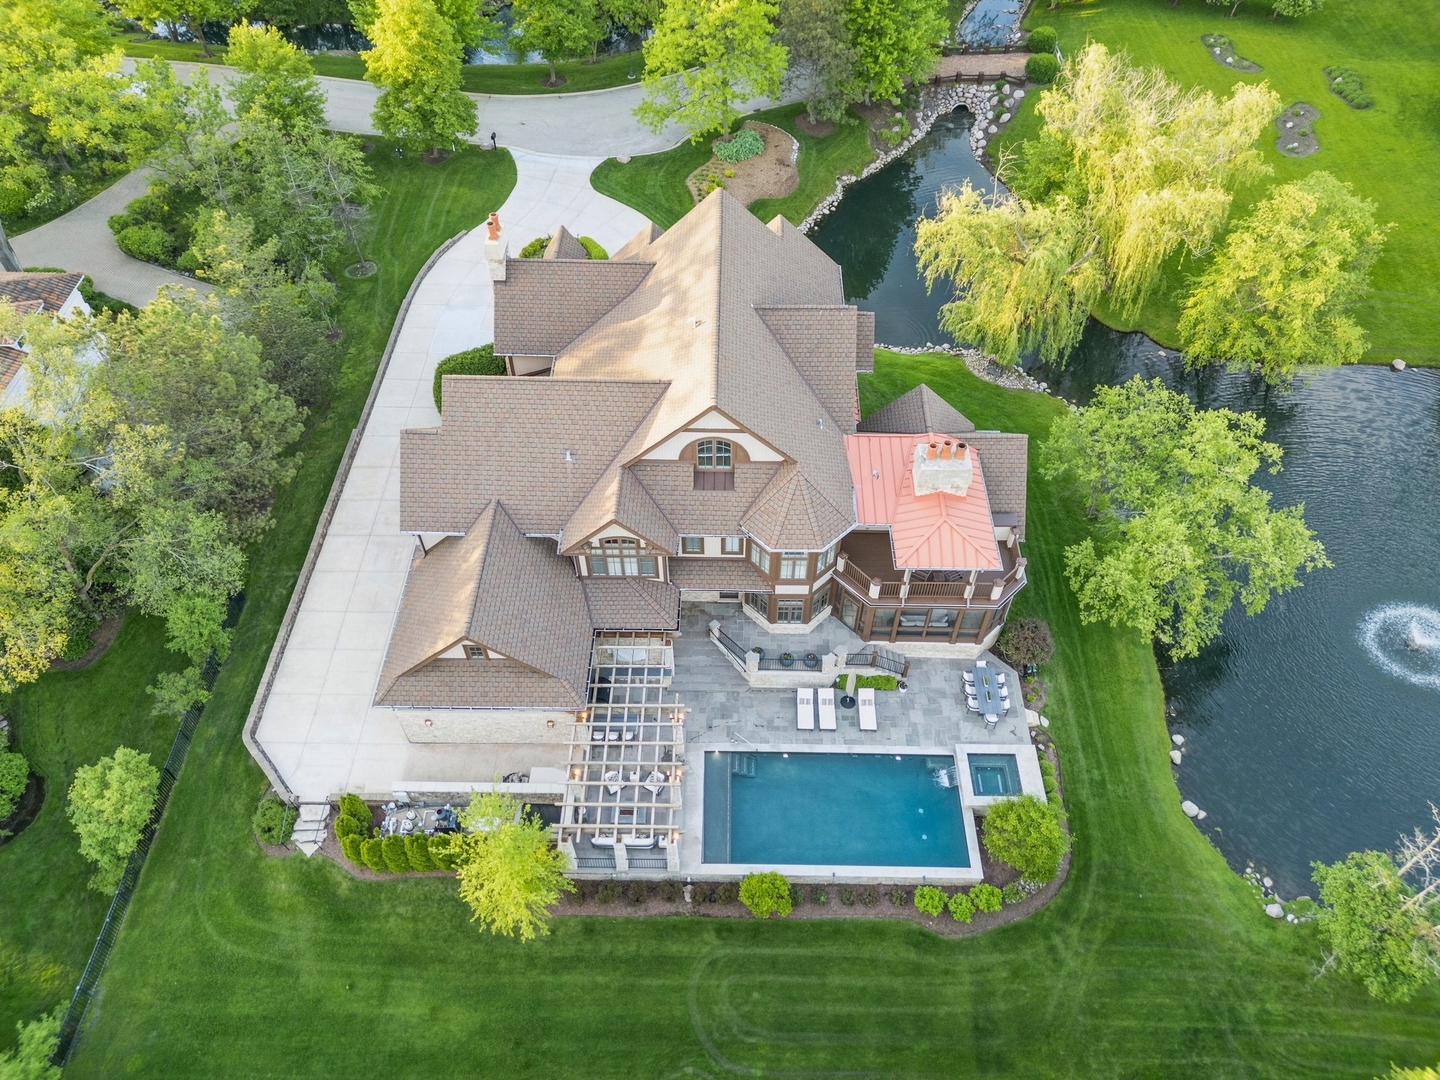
<point x="726" y="713"/>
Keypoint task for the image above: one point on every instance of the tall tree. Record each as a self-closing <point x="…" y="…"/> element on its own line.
<point x="30" y="1060"/>
<point x="706" y="56"/>
<point x="1278" y="293"/>
<point x="1025" y="275"/>
<point x="509" y="873"/>
<point x="821" y="54"/>
<point x="109" y="804"/>
<point x="1181" y="530"/>
<point x="556" y="29"/>
<point x="1296" y="8"/>
<point x="190" y="15"/>
<point x="895" y="40"/>
<point x="277" y="82"/>
<point x="1155" y="162"/>
<point x="416" y="63"/>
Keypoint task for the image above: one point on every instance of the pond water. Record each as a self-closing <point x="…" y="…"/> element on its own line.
<point x="1312" y="729"/>
<point x="989" y="22"/>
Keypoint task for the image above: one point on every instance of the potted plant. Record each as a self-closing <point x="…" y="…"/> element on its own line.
<point x="759" y="652"/>
<point x="787" y="659"/>
<point x="811" y="660"/>
<point x="902" y="686"/>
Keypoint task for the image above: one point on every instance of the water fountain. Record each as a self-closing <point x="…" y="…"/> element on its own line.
<point x="1404" y="641"/>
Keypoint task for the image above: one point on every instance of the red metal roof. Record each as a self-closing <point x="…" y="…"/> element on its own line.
<point x="927" y="532"/>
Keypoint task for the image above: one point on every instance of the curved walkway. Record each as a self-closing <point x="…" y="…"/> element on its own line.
<point x="315" y="722"/>
<point x="82" y="241"/>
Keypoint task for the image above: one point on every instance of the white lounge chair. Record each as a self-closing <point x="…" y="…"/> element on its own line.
<point x="867" y="709"/>
<point x="612" y="781"/>
<point x="827" y="709"/>
<point x="632" y="840"/>
<point x="805" y="709"/>
<point x="972" y="702"/>
<point x="655" y="782"/>
<point x="602" y="841"/>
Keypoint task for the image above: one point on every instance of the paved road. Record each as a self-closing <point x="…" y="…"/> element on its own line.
<point x="597" y="123"/>
<point x="80" y="240"/>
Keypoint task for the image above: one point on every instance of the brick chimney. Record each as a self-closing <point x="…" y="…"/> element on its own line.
<point x="496" y="248"/>
<point x="942" y="467"/>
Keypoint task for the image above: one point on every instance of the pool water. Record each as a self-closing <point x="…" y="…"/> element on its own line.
<point x="832" y="810"/>
<point x="994" y="774"/>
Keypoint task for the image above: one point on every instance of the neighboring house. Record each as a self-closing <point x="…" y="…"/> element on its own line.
<point x="687" y="432"/>
<point x="57" y="294"/>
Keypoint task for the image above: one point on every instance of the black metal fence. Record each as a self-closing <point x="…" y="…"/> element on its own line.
<point x="731" y="645"/>
<point x="883" y="660"/>
<point x="120" y="902"/>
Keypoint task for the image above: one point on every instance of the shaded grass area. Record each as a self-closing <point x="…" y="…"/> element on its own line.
<point x="1390" y="153"/>
<point x="1154" y="961"/>
<point x="71" y="718"/>
<point x="577" y="75"/>
<point x="654" y="184"/>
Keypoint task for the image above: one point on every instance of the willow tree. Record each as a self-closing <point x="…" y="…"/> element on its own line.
<point x="1025" y="274"/>
<point x="1153" y="162"/>
<point x="707" y="56"/>
<point x="1278" y="294"/>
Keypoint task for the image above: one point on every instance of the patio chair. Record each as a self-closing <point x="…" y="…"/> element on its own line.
<point x="805" y="709"/>
<point x="615" y="734"/>
<point x="827" y="709"/>
<point x="969" y="677"/>
<point x="970" y="701"/>
<point x="867" y="709"/>
<point x="655" y="782"/>
<point x="612" y="781"/>
<point x="991" y="720"/>
<point x="597" y="734"/>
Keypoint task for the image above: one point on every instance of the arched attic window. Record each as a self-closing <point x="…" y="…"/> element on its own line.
<point x="714" y="465"/>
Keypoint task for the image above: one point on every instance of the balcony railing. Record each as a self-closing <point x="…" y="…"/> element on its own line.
<point x="985" y="589"/>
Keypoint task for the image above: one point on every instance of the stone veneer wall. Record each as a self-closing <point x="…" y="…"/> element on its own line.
<point x="486" y="725"/>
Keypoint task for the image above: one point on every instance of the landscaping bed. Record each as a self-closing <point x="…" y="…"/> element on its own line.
<point x="1296" y="130"/>
<point x="1222" y="51"/>
<point x="770" y="174"/>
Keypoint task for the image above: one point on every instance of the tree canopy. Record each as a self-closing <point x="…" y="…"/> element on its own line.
<point x="895" y="40"/>
<point x="556" y="29"/>
<point x="1025" y="833"/>
<point x="416" y="63"/>
<point x="821" y="54"/>
<point x="110" y="802"/>
<point x="1278" y="293"/>
<point x="1181" y="530"/>
<point x="30" y="1060"/>
<point x="276" y="81"/>
<point x="509" y="873"/>
<point x="706" y="56"/>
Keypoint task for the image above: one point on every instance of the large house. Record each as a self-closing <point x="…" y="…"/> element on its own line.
<point x="680" y="423"/>
<point x="54" y="294"/>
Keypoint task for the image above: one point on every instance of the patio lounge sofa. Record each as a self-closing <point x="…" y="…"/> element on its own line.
<point x="827" y="709"/>
<point x="867" y="709"/>
<point x="805" y="709"/>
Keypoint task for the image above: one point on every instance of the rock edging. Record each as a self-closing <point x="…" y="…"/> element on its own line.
<point x="982" y="365"/>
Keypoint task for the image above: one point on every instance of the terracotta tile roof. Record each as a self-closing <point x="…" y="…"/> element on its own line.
<point x="1005" y="458"/>
<point x="821" y="341"/>
<point x="471" y="684"/>
<point x="505" y="438"/>
<point x="563" y="245"/>
<point x="939" y="531"/>
<point x="917" y="412"/>
<point x="791" y="514"/>
<point x="51" y="289"/>
<point x="717" y="575"/>
<point x="545" y="304"/>
<point x="495" y="587"/>
<point x="632" y="604"/>
<point x="707" y="513"/>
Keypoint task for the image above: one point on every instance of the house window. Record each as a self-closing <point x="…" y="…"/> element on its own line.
<point x="475" y="652"/>
<point x="759" y="603"/>
<point x="794" y="565"/>
<point x="824" y="560"/>
<point x="692" y="545"/>
<point x="790" y="611"/>
<point x="713" y="454"/>
<point x="619" y="556"/>
<point x="760" y="557"/>
<point x="732" y="545"/>
<point x="714" y="465"/>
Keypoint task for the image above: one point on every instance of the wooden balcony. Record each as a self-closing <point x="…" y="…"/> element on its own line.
<point x="865" y="566"/>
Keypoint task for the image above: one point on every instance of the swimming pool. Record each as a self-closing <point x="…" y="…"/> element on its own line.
<point x="839" y="809"/>
<point x="994" y="774"/>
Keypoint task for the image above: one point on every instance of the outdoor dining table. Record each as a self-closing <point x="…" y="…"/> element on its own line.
<point x="987" y="691"/>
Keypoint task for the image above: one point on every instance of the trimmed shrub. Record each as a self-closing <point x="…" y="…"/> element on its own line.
<point x="1042" y="67"/>
<point x="607" y="892"/>
<point x="637" y="892"/>
<point x="578" y="895"/>
<point x="1026" y="642"/>
<point x="592" y="248"/>
<point x="870" y="896"/>
<point x="985" y="897"/>
<point x="797" y="896"/>
<point x="727" y="892"/>
<point x="766" y="894"/>
<point x="742" y="146"/>
<point x="148" y="242"/>
<point x="392" y="850"/>
<point x="372" y="854"/>
<point x="1047" y="776"/>
<point x="1012" y="893"/>
<point x="446" y="849"/>
<point x="273" y="821"/>
<point x="350" y="848"/>
<point x="355" y="807"/>
<point x="819" y="895"/>
<point x="349" y="826"/>
<point x="1345" y="82"/>
<point x="535" y="248"/>
<point x="1041" y="40"/>
<point x="14" y="775"/>
<point x="873" y="682"/>
<point x="671" y="891"/>
<point x="962" y="908"/>
<point x="899" y="896"/>
<point x="481" y="361"/>
<point x="1026" y="833"/>
<point x="930" y="900"/>
<point x="847" y="896"/>
<point x="417" y="850"/>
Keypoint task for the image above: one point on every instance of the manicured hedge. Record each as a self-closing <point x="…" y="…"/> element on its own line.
<point x="535" y="248"/>
<point x="1042" y="67"/>
<point x="481" y="361"/>
<point x="417" y="851"/>
<point x="593" y="249"/>
<point x="372" y="854"/>
<point x="766" y="894"/>
<point x="929" y="899"/>
<point x="962" y="908"/>
<point x="274" y="820"/>
<point x="986" y="897"/>
<point x="1041" y="40"/>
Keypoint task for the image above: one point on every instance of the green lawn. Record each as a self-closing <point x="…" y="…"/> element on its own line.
<point x="655" y="183"/>
<point x="579" y="75"/>
<point x="1154" y="961"/>
<point x="1390" y="153"/>
<point x="48" y="919"/>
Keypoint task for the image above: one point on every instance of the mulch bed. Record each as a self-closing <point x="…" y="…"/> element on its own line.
<point x="1223" y="53"/>
<point x="1296" y="127"/>
<point x="101" y="639"/>
<point x="880" y="116"/>
<point x="817" y="130"/>
<point x="26" y="810"/>
<point x="771" y="174"/>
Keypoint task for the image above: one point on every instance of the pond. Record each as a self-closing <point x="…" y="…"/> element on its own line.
<point x="1311" y="729"/>
<point x="990" y="22"/>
